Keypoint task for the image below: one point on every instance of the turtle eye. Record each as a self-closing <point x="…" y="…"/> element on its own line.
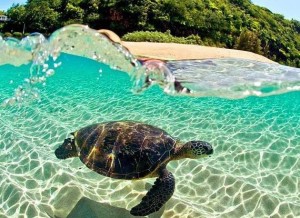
<point x="69" y="146"/>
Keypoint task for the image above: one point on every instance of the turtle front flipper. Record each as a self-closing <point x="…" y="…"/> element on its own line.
<point x="157" y="196"/>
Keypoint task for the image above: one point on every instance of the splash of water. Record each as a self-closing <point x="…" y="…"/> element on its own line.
<point x="228" y="78"/>
<point x="42" y="53"/>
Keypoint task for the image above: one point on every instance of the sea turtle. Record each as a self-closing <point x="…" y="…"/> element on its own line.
<point x="132" y="150"/>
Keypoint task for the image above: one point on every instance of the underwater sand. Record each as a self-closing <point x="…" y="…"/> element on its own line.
<point x="254" y="171"/>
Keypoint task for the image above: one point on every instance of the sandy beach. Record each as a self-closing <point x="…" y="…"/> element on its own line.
<point x="173" y="51"/>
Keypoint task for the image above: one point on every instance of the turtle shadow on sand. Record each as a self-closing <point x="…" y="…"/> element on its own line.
<point x="86" y="207"/>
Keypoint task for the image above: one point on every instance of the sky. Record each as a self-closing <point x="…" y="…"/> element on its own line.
<point x="5" y="4"/>
<point x="290" y="9"/>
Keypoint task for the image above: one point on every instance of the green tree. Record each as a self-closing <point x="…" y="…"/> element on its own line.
<point x="248" y="41"/>
<point x="91" y="12"/>
<point x="41" y="17"/>
<point x="296" y="25"/>
<point x="72" y="14"/>
<point x="17" y="14"/>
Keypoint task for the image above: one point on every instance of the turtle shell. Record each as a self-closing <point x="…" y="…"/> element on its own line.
<point x="124" y="150"/>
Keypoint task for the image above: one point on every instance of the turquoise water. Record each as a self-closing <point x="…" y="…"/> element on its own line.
<point x="254" y="171"/>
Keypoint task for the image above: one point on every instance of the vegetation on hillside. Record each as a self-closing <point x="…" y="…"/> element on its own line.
<point x="223" y="23"/>
<point x="154" y="36"/>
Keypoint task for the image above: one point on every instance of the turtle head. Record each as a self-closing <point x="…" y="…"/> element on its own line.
<point x="66" y="150"/>
<point x="196" y="149"/>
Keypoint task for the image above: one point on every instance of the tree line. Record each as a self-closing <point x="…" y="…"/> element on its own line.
<point x="223" y="23"/>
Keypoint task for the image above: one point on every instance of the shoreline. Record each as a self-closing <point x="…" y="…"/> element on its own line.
<point x="174" y="51"/>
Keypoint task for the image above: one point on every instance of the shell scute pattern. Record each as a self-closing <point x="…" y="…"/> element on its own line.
<point x="124" y="150"/>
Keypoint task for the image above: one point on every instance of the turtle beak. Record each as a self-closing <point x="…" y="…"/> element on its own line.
<point x="66" y="150"/>
<point x="208" y="148"/>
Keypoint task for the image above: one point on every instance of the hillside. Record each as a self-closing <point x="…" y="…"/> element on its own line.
<point x="223" y="23"/>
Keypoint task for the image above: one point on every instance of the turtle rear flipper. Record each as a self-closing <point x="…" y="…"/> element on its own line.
<point x="157" y="196"/>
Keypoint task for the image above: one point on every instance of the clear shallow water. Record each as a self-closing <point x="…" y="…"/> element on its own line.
<point x="254" y="171"/>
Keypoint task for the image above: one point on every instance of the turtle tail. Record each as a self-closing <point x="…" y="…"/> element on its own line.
<point x="157" y="196"/>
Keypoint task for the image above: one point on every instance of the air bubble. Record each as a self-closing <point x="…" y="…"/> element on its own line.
<point x="57" y="64"/>
<point x="50" y="72"/>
